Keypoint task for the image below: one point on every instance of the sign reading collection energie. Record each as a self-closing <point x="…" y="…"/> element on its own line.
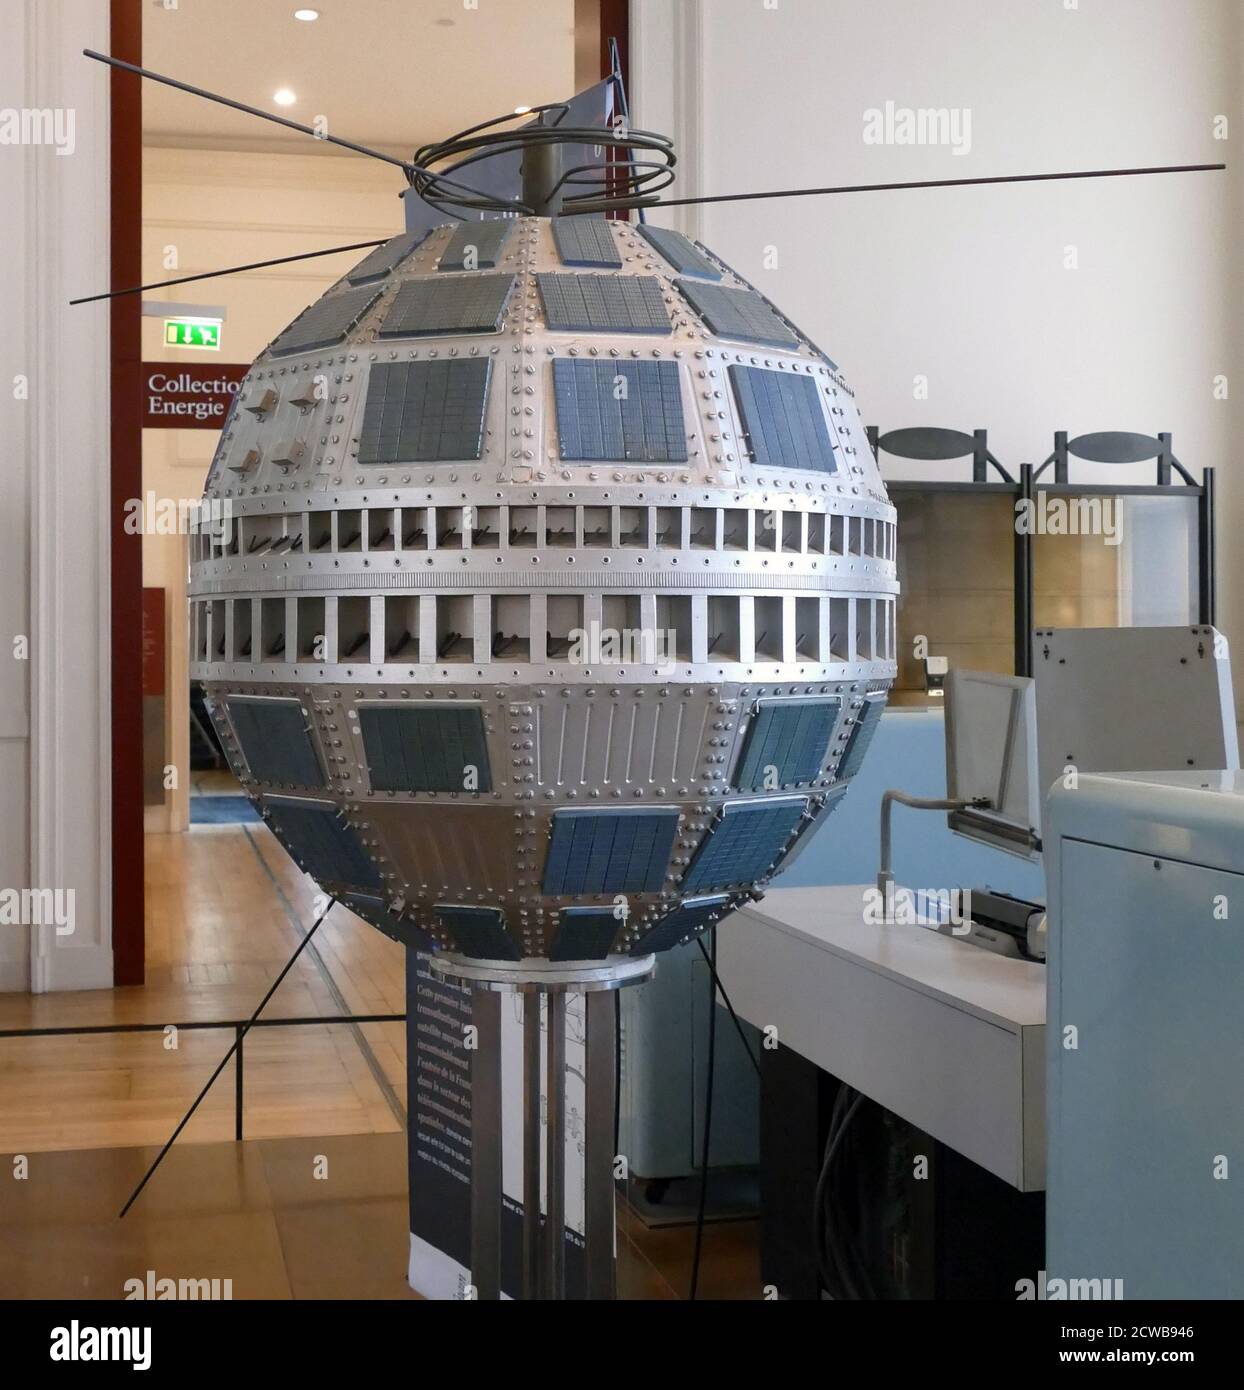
<point x="178" y="396"/>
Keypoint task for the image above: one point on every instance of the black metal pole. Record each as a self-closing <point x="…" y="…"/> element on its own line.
<point x="237" y="1085"/>
<point x="1023" y="575"/>
<point x="224" y="1061"/>
<point x="1207" y="560"/>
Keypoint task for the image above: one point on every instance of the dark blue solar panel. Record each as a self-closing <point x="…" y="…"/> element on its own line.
<point x="430" y="748"/>
<point x="478" y="932"/>
<point x="680" y="251"/>
<point x="861" y="735"/>
<point x="326" y="321"/>
<point x="783" y="419"/>
<point x="604" y="303"/>
<point x="745" y="843"/>
<point x="619" y="411"/>
<point x="396" y="928"/>
<point x="609" y="851"/>
<point x="786" y="743"/>
<point x="421" y="412"/>
<point x="385" y="259"/>
<point x="321" y="841"/>
<point x="476" y="245"/>
<point x="584" y="933"/>
<point x="471" y="304"/>
<point x="693" y="916"/>
<point x="586" y="241"/>
<point x="275" y="740"/>
<point x="735" y="313"/>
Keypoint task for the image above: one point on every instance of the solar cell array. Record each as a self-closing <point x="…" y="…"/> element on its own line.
<point x="861" y="735"/>
<point x="783" y="419"/>
<point x="425" y="307"/>
<point x="735" y="313"/>
<point x="584" y="933"/>
<point x="326" y="322"/>
<point x="744" y="844"/>
<point x="609" y="851"/>
<point x="385" y="259"/>
<point x="693" y="916"/>
<point x="604" y="303"/>
<point x="786" y="743"/>
<point x="680" y="251"/>
<point x="321" y="841"/>
<point x="586" y="241"/>
<point x="478" y="932"/>
<point x="429" y="748"/>
<point x="619" y="411"/>
<point x="275" y="739"/>
<point x="422" y="412"/>
<point x="476" y="245"/>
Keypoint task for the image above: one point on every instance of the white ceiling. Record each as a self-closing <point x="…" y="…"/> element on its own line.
<point x="388" y="73"/>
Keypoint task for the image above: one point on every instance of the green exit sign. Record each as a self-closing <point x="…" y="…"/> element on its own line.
<point x="193" y="333"/>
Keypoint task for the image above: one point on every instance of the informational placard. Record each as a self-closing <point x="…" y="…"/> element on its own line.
<point x="439" y="1136"/>
<point x="177" y="396"/>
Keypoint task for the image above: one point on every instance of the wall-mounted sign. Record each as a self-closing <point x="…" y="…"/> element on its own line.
<point x="178" y="397"/>
<point x="188" y="332"/>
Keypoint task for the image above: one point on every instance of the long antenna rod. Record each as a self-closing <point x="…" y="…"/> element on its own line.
<point x="249" y="110"/>
<point x="939" y="183"/>
<point x="237" y="1042"/>
<point x="229" y="270"/>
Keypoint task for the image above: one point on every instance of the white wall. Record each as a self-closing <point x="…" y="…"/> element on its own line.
<point x="968" y="287"/>
<point x="54" y="745"/>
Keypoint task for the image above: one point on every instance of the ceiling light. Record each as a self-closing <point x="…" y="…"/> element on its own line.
<point x="284" y="97"/>
<point x="307" y="16"/>
<point x="521" y="110"/>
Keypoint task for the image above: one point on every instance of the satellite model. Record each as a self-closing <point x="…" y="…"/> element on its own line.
<point x="556" y="605"/>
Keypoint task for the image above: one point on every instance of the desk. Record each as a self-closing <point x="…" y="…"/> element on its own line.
<point x="948" y="1036"/>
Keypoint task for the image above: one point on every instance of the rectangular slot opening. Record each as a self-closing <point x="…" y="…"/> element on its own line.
<point x="380" y="528"/>
<point x="596" y="524"/>
<point x="564" y="616"/>
<point x="619" y="622"/>
<point x="511" y="627"/>
<point x="792" y="532"/>
<point x="768" y="620"/>
<point x="448" y="522"/>
<point x="524" y="527"/>
<point x="260" y="534"/>
<point x="401" y="628"/>
<point x="840" y="629"/>
<point x="865" y="638"/>
<point x="674" y="623"/>
<point x="723" y="628"/>
<point x="485" y="527"/>
<point x="768" y="527"/>
<point x="414" y="524"/>
<point x="312" y="643"/>
<point x="808" y="629"/>
<point x="669" y="528"/>
<point x="633" y="527"/>
<point x="319" y="531"/>
<point x="353" y="629"/>
<point x="816" y="533"/>
<point x="559" y="526"/>
<point x="455" y="627"/>
<point x="855" y="535"/>
<point x="349" y="531"/>
<point x="703" y="528"/>
<point x="272" y="618"/>
<point x="837" y="535"/>
<point x="295" y="534"/>
<point x="241" y="629"/>
<point x="734" y="528"/>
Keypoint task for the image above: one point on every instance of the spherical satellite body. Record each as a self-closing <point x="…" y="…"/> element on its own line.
<point x="553" y="605"/>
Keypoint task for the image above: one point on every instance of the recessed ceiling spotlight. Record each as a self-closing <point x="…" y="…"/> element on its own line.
<point x="284" y="97"/>
<point x="307" y="16"/>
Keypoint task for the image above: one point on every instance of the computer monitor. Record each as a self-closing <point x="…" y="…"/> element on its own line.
<point x="991" y="756"/>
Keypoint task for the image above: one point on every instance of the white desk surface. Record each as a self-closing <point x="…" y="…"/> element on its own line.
<point x="948" y="1035"/>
